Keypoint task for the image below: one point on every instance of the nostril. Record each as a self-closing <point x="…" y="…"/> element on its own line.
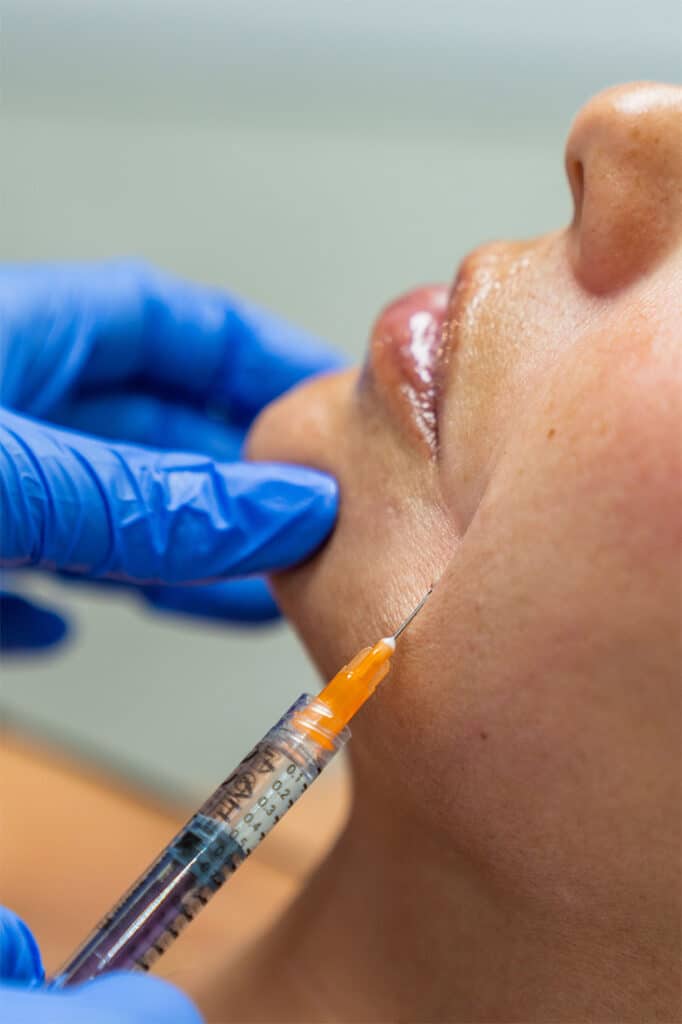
<point x="576" y="177"/>
<point x="626" y="147"/>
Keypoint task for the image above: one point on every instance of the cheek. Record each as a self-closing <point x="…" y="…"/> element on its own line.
<point x="513" y="311"/>
<point x="533" y="721"/>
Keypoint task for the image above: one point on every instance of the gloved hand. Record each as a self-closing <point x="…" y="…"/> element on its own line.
<point x="116" y="999"/>
<point x="172" y="374"/>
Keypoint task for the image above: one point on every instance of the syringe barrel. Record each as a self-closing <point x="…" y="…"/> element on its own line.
<point x="209" y="848"/>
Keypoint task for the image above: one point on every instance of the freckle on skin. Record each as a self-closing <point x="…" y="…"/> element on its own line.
<point x="550" y="433"/>
<point x="484" y="735"/>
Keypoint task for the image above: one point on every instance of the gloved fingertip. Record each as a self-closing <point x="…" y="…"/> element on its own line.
<point x="328" y="491"/>
<point x="316" y="516"/>
<point x="19" y="954"/>
<point x="285" y="512"/>
<point x="322" y="492"/>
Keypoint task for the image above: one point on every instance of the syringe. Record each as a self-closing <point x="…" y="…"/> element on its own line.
<point x="232" y="822"/>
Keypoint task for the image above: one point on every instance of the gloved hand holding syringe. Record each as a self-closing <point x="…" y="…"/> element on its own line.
<point x="232" y="822"/>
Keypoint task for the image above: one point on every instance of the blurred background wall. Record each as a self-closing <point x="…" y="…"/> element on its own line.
<point x="315" y="157"/>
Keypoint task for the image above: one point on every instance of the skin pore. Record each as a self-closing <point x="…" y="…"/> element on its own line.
<point x="513" y="848"/>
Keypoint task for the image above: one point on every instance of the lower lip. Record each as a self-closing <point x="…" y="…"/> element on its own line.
<point x="405" y="351"/>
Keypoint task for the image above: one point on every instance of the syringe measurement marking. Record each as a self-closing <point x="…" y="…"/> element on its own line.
<point x="255" y="824"/>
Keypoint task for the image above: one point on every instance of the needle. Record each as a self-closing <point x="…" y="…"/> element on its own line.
<point x="415" y="611"/>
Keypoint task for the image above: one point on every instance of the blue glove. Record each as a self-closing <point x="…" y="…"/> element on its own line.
<point x="173" y="374"/>
<point x="116" y="999"/>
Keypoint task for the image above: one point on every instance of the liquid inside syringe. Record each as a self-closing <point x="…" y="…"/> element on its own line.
<point x="231" y="823"/>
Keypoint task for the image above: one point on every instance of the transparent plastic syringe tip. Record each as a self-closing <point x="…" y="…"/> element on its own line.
<point x="415" y="611"/>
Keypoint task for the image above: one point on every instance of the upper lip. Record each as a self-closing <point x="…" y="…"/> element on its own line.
<point x="409" y="345"/>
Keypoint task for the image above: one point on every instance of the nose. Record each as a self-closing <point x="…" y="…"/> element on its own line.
<point x="624" y="166"/>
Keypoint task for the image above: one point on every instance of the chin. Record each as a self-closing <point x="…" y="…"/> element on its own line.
<point x="389" y="541"/>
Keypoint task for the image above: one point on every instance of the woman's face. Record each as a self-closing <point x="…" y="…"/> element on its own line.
<point x="516" y="436"/>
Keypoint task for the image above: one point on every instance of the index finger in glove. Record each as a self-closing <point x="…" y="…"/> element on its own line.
<point x="147" y="516"/>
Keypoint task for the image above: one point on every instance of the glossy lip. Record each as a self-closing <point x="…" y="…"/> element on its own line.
<point x="406" y="351"/>
<point x="415" y="336"/>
